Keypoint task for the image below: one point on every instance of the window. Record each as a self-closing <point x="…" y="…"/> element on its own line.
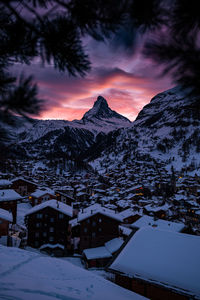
<point x="60" y="216"/>
<point x="51" y="239"/>
<point x="51" y="219"/>
<point x="88" y="221"/>
<point x="51" y="229"/>
<point x="94" y="234"/>
<point x="100" y="220"/>
<point x="37" y="225"/>
<point x="36" y="243"/>
<point x="37" y="234"/>
<point x="100" y="229"/>
<point x="39" y="216"/>
<point x="85" y="229"/>
<point x="44" y="234"/>
<point x="93" y="223"/>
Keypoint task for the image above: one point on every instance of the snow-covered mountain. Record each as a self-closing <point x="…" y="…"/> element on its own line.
<point x="98" y="119"/>
<point x="48" y="138"/>
<point x="167" y="130"/>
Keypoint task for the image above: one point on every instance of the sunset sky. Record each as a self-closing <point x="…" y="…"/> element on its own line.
<point x="126" y="79"/>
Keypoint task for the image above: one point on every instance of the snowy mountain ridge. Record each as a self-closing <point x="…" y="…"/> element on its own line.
<point x="98" y="119"/>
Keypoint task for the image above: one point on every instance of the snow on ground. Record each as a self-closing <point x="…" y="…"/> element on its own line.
<point x="27" y="275"/>
<point x="22" y="209"/>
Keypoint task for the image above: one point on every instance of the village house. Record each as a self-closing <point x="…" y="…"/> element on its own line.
<point x="63" y="196"/>
<point x="99" y="257"/>
<point x="8" y="201"/>
<point x="159" y="265"/>
<point x="40" y="196"/>
<point x="23" y="187"/>
<point x="47" y="224"/>
<point x="97" y="226"/>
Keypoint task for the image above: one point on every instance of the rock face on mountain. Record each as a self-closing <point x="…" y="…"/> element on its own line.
<point x="102" y="111"/>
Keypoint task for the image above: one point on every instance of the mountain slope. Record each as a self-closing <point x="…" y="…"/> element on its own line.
<point x="167" y="130"/>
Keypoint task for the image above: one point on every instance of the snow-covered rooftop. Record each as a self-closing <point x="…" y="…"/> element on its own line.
<point x="114" y="244"/>
<point x="164" y="257"/>
<point x="4" y="182"/>
<point x="57" y="205"/>
<point x="100" y="210"/>
<point x="9" y="195"/>
<point x="5" y="215"/>
<point x="27" y="275"/>
<point x="40" y="193"/>
<point x="147" y="221"/>
<point x="98" y="252"/>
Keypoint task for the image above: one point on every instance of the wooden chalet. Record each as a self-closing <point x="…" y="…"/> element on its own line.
<point x="8" y="201"/>
<point x="23" y="187"/>
<point x="64" y="197"/>
<point x="40" y="196"/>
<point x="47" y="224"/>
<point x="97" y="226"/>
<point x="99" y="257"/>
<point x="160" y="265"/>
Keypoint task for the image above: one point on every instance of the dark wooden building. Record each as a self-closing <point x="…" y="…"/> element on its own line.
<point x="98" y="227"/>
<point x="47" y="223"/>
<point x="40" y="196"/>
<point x="23" y="187"/>
<point x="64" y="197"/>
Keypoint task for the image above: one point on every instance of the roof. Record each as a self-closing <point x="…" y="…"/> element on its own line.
<point x="4" y="214"/>
<point x="94" y="209"/>
<point x="44" y="246"/>
<point x="9" y="195"/>
<point x="98" y="252"/>
<point x="40" y="193"/>
<point x="57" y="205"/>
<point x="26" y="180"/>
<point x="114" y="244"/>
<point x="147" y="221"/>
<point x="164" y="257"/>
<point x="5" y="182"/>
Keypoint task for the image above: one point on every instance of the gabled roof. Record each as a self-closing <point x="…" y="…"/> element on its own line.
<point x="26" y="180"/>
<point x="166" y="258"/>
<point x="40" y="193"/>
<point x="9" y="195"/>
<point x="101" y="210"/>
<point x="57" y="205"/>
<point x="147" y="221"/>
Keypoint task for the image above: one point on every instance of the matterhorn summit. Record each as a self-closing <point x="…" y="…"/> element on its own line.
<point x="102" y="111"/>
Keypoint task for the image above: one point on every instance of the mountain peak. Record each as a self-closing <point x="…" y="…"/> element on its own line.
<point x="101" y="110"/>
<point x="101" y="102"/>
